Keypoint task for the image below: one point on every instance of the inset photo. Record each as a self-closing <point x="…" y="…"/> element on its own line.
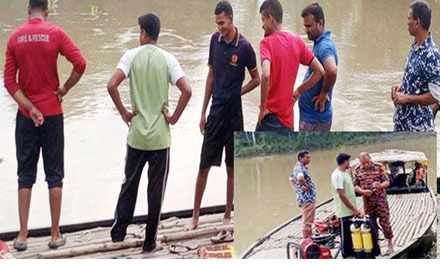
<point x="335" y="195"/>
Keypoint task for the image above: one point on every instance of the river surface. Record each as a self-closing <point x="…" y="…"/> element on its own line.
<point x="372" y="42"/>
<point x="264" y="198"/>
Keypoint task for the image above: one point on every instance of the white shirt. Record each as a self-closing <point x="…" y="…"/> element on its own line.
<point x="174" y="70"/>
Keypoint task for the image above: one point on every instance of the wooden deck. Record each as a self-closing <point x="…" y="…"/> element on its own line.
<point x="96" y="243"/>
<point x="412" y="215"/>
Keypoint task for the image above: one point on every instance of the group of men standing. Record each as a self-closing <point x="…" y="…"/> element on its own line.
<point x="370" y="181"/>
<point x="32" y="53"/>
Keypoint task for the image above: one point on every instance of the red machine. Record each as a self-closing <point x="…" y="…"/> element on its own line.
<point x="4" y="251"/>
<point x="321" y="243"/>
<point x="308" y="249"/>
<point x="330" y="225"/>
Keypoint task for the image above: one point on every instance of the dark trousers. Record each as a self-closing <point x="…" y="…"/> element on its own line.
<point x="346" y="242"/>
<point x="271" y="123"/>
<point x="158" y="162"/>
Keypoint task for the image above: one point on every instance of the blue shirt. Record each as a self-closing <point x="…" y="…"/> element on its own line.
<point x="421" y="72"/>
<point x="228" y="62"/>
<point x="324" y="47"/>
<point x="302" y="197"/>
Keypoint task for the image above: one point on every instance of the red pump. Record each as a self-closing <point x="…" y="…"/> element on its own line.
<point x="4" y="251"/>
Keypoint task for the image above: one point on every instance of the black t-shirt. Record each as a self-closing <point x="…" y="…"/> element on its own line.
<point x="228" y="62"/>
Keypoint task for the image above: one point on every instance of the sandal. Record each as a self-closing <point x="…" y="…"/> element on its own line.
<point x="61" y="241"/>
<point x="180" y="248"/>
<point x="222" y="237"/>
<point x="19" y="246"/>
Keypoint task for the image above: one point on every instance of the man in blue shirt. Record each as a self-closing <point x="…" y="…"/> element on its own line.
<point x="304" y="187"/>
<point x="420" y="87"/>
<point x="315" y="106"/>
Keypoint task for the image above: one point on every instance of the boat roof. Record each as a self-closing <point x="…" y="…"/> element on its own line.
<point x="394" y="155"/>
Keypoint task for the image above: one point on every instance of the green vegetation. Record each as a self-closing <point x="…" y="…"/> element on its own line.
<point x="95" y="10"/>
<point x="432" y="254"/>
<point x="53" y="5"/>
<point x="260" y="143"/>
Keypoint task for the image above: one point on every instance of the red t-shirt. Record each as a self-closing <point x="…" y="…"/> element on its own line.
<point x="33" y="50"/>
<point x="285" y="52"/>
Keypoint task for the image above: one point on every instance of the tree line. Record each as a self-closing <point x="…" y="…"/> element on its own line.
<point x="260" y="143"/>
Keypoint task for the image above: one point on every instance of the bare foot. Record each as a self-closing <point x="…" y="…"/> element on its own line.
<point x="22" y="238"/>
<point x="192" y="226"/>
<point x="157" y="248"/>
<point x="226" y="221"/>
<point x="389" y="251"/>
<point x="55" y="235"/>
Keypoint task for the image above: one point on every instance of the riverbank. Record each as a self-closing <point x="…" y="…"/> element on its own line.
<point x="253" y="144"/>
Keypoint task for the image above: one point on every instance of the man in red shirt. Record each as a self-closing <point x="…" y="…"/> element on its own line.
<point x="281" y="54"/>
<point x="32" y="51"/>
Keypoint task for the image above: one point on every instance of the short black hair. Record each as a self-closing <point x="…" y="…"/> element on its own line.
<point x="224" y="7"/>
<point x="422" y="11"/>
<point x="302" y="153"/>
<point x="151" y="24"/>
<point x="316" y="10"/>
<point x="342" y="157"/>
<point x="272" y="8"/>
<point x="38" y="4"/>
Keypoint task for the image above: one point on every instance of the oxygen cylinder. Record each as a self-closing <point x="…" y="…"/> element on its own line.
<point x="356" y="238"/>
<point x="367" y="240"/>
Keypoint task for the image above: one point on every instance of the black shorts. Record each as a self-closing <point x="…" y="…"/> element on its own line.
<point x="29" y="140"/>
<point x="219" y="134"/>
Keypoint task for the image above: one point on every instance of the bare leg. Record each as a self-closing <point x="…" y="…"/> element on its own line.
<point x="229" y="196"/>
<point x="24" y="203"/>
<point x="55" y="195"/>
<point x="202" y="178"/>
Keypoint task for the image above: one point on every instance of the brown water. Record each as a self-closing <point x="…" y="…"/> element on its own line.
<point x="371" y="37"/>
<point x="264" y="198"/>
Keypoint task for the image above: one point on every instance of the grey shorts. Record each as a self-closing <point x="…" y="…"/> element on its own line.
<point x="316" y="127"/>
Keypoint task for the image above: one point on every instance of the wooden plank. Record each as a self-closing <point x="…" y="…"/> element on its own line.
<point x="411" y="215"/>
<point x="96" y="242"/>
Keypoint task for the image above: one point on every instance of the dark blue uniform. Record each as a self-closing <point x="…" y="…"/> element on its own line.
<point x="228" y="62"/>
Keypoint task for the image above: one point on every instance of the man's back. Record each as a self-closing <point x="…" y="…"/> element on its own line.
<point x="286" y="52"/>
<point x="33" y="50"/>
<point x="150" y="69"/>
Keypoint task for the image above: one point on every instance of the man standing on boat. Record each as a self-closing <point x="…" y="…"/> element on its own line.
<point x="150" y="70"/>
<point x="32" y="52"/>
<point x="371" y="182"/>
<point x="344" y="201"/>
<point x="281" y="54"/>
<point x="315" y="107"/>
<point x="229" y="56"/>
<point x="304" y="187"/>
<point x="420" y="87"/>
